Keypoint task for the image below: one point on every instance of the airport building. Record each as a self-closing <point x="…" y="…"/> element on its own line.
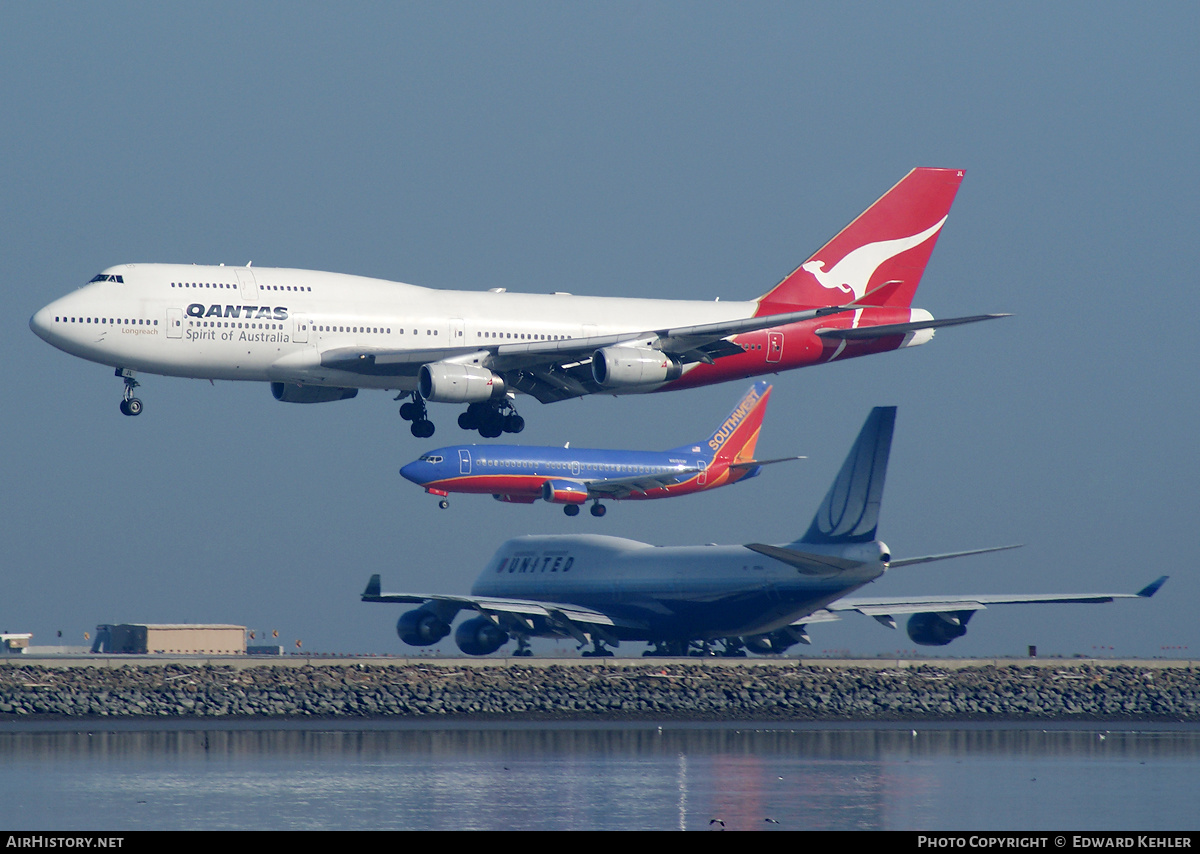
<point x="172" y="638"/>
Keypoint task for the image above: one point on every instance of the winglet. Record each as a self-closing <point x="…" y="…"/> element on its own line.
<point x="374" y="587"/>
<point x="850" y="511"/>
<point x="1152" y="588"/>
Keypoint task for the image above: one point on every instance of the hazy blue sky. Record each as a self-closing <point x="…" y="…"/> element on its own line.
<point x="691" y="150"/>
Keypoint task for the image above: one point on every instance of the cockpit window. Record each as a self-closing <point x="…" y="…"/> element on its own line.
<point x="431" y="458"/>
<point x="105" y="277"/>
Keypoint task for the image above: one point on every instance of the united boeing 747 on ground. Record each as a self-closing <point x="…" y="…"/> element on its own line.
<point x="722" y="599"/>
<point x="318" y="337"/>
<point x="574" y="476"/>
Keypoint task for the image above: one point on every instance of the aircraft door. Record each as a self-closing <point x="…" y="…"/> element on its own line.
<point x="300" y="324"/>
<point x="458" y="336"/>
<point x="774" y="346"/>
<point x="247" y="283"/>
<point x="702" y="477"/>
<point x="464" y="461"/>
<point x="575" y="467"/>
<point x="174" y="323"/>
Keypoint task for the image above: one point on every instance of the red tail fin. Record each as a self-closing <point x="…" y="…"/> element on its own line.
<point x="878" y="259"/>
<point x="735" y="439"/>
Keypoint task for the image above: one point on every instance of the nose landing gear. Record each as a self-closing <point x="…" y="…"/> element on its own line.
<point x="130" y="405"/>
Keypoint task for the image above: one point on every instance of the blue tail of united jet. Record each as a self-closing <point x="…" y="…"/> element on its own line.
<point x="850" y="511"/>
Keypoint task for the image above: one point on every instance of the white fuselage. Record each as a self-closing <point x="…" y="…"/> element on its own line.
<point x="272" y="324"/>
<point x="687" y="591"/>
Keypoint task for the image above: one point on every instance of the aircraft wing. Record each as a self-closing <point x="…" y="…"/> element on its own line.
<point x="558" y="370"/>
<point x="521" y="609"/>
<point x="885" y="608"/>
<point x="892" y="605"/>
<point x="623" y="487"/>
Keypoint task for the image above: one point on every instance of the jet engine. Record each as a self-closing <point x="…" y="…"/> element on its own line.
<point x="564" y="492"/>
<point x="771" y="643"/>
<point x="446" y="382"/>
<point x="480" y="636"/>
<point x="421" y="628"/>
<point x="938" y="628"/>
<point x="296" y="393"/>
<point x="614" y="367"/>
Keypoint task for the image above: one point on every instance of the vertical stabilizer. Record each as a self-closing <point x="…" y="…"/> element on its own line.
<point x="850" y="511"/>
<point x="735" y="438"/>
<point x="878" y="259"/>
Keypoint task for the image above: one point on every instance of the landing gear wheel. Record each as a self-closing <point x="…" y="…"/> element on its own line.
<point x="571" y="509"/>
<point x="514" y="423"/>
<point x="492" y="426"/>
<point x="422" y="429"/>
<point x="130" y="405"/>
<point x="599" y="509"/>
<point x="414" y="411"/>
<point x="443" y="504"/>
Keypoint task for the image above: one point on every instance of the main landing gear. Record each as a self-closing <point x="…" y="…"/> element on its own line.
<point x="130" y="405"/>
<point x="415" y="411"/>
<point x="491" y="418"/>
<point x="597" y="510"/>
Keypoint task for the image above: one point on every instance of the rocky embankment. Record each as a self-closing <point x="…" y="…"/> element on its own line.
<point x="786" y="691"/>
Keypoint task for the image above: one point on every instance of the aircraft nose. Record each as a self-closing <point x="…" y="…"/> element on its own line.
<point x="412" y="471"/>
<point x="42" y="323"/>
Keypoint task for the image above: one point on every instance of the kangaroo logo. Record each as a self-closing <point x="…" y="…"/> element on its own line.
<point x="853" y="273"/>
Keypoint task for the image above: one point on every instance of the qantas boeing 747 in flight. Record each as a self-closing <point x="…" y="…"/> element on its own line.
<point x="319" y="337"/>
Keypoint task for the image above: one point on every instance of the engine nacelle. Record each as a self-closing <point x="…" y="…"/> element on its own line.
<point x="938" y="628"/>
<point x="421" y="628"/>
<point x="480" y="636"/>
<point x="446" y="382"/>
<point x="772" y="643"/>
<point x="296" y="393"/>
<point x="564" y="492"/>
<point x="614" y="367"/>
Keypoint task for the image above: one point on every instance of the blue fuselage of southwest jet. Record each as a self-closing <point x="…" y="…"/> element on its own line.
<point x="520" y="473"/>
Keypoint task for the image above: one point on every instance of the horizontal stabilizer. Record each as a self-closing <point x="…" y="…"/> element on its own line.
<point x="806" y="562"/>
<point x="749" y="464"/>
<point x="909" y="561"/>
<point x="868" y="332"/>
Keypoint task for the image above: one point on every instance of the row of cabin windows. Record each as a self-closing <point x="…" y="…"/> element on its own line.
<point x="370" y="330"/>
<point x="224" y="324"/>
<point x="523" y="336"/>
<point x="233" y="287"/>
<point x="606" y="467"/>
<point x="109" y="320"/>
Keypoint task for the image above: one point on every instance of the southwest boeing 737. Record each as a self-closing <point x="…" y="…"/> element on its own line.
<point x="319" y="337"/>
<point x="573" y="476"/>
<point x="725" y="599"/>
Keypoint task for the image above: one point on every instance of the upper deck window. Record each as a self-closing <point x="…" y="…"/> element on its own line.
<point x="105" y="277"/>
